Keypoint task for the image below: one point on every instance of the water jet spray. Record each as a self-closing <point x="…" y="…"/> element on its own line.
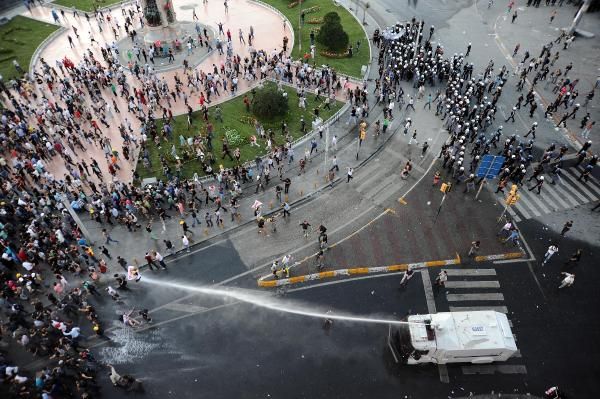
<point x="271" y="303"/>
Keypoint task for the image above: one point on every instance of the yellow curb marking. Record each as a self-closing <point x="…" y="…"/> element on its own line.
<point x="509" y="255"/>
<point x="263" y="282"/>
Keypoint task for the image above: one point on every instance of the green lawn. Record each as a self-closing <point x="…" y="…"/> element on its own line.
<point x="86" y="5"/>
<point x="18" y="40"/>
<point x="235" y="117"/>
<point x="346" y="66"/>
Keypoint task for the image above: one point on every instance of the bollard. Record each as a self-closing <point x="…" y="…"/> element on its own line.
<point x="286" y="198"/>
<point x="317" y="171"/>
<point x="205" y="232"/>
<point x="315" y="185"/>
<point x="270" y="204"/>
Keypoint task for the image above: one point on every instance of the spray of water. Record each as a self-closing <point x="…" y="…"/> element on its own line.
<point x="273" y="303"/>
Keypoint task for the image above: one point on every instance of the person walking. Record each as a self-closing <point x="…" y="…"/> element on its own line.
<point x="552" y="249"/>
<point x="474" y="248"/>
<point x="408" y="274"/>
<point x="349" y="172"/>
<point x="442" y="277"/>
<point x="568" y="280"/>
<point x="567" y="226"/>
<point x="305" y="228"/>
<point x="150" y="261"/>
<point x="185" y="242"/>
<point x="160" y="259"/>
<point x="539" y="183"/>
<point x="108" y="238"/>
<point x="286" y="209"/>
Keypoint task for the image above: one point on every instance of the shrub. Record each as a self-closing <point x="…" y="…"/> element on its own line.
<point x="332" y="34"/>
<point x="269" y="102"/>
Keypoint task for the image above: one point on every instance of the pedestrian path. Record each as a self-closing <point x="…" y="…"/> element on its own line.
<point x="565" y="194"/>
<point x="478" y="289"/>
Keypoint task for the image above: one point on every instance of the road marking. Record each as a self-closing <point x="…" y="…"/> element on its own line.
<point x="554" y="194"/>
<point x="540" y="204"/>
<point x="501" y="309"/>
<point x="523" y="211"/>
<point x="442" y="369"/>
<point x="494" y="368"/>
<point x="487" y="296"/>
<point x="565" y="194"/>
<point x="582" y="186"/>
<point x="470" y="272"/>
<point x="402" y="201"/>
<point x="574" y="184"/>
<point x="591" y="185"/>
<point x="472" y="284"/>
<point x="527" y="201"/>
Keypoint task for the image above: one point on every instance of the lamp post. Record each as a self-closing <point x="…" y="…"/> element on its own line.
<point x="365" y="7"/>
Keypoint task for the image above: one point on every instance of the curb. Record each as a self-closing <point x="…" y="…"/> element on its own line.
<point x="42" y="46"/>
<point x="263" y="282"/>
<point x="508" y="255"/>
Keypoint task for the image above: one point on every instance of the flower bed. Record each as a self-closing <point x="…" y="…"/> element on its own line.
<point x="310" y="10"/>
<point x="315" y="21"/>
<point x="332" y="54"/>
<point x="293" y="4"/>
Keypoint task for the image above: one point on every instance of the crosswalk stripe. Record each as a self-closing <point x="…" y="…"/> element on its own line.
<point x="574" y="185"/>
<point x="470" y="272"/>
<point x="559" y="187"/>
<point x="591" y="184"/>
<point x="522" y="211"/>
<point x="472" y="284"/>
<point x="514" y="215"/>
<point x="526" y="202"/>
<point x="554" y="194"/>
<point x="500" y="309"/>
<point x="539" y="202"/>
<point x="487" y="296"/>
<point x="494" y="368"/>
<point x="583" y="187"/>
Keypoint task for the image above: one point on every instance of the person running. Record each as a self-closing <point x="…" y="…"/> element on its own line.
<point x="407" y="276"/>
<point x="568" y="280"/>
<point x="552" y="249"/>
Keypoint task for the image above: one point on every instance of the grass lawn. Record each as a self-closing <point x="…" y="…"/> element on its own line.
<point x="235" y="117"/>
<point x="345" y="66"/>
<point x="18" y="40"/>
<point x="86" y="5"/>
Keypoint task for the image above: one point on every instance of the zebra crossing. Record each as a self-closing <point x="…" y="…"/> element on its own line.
<point x="566" y="194"/>
<point x="478" y="289"/>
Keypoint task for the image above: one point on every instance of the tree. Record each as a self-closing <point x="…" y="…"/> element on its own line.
<point x="332" y="34"/>
<point x="269" y="102"/>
